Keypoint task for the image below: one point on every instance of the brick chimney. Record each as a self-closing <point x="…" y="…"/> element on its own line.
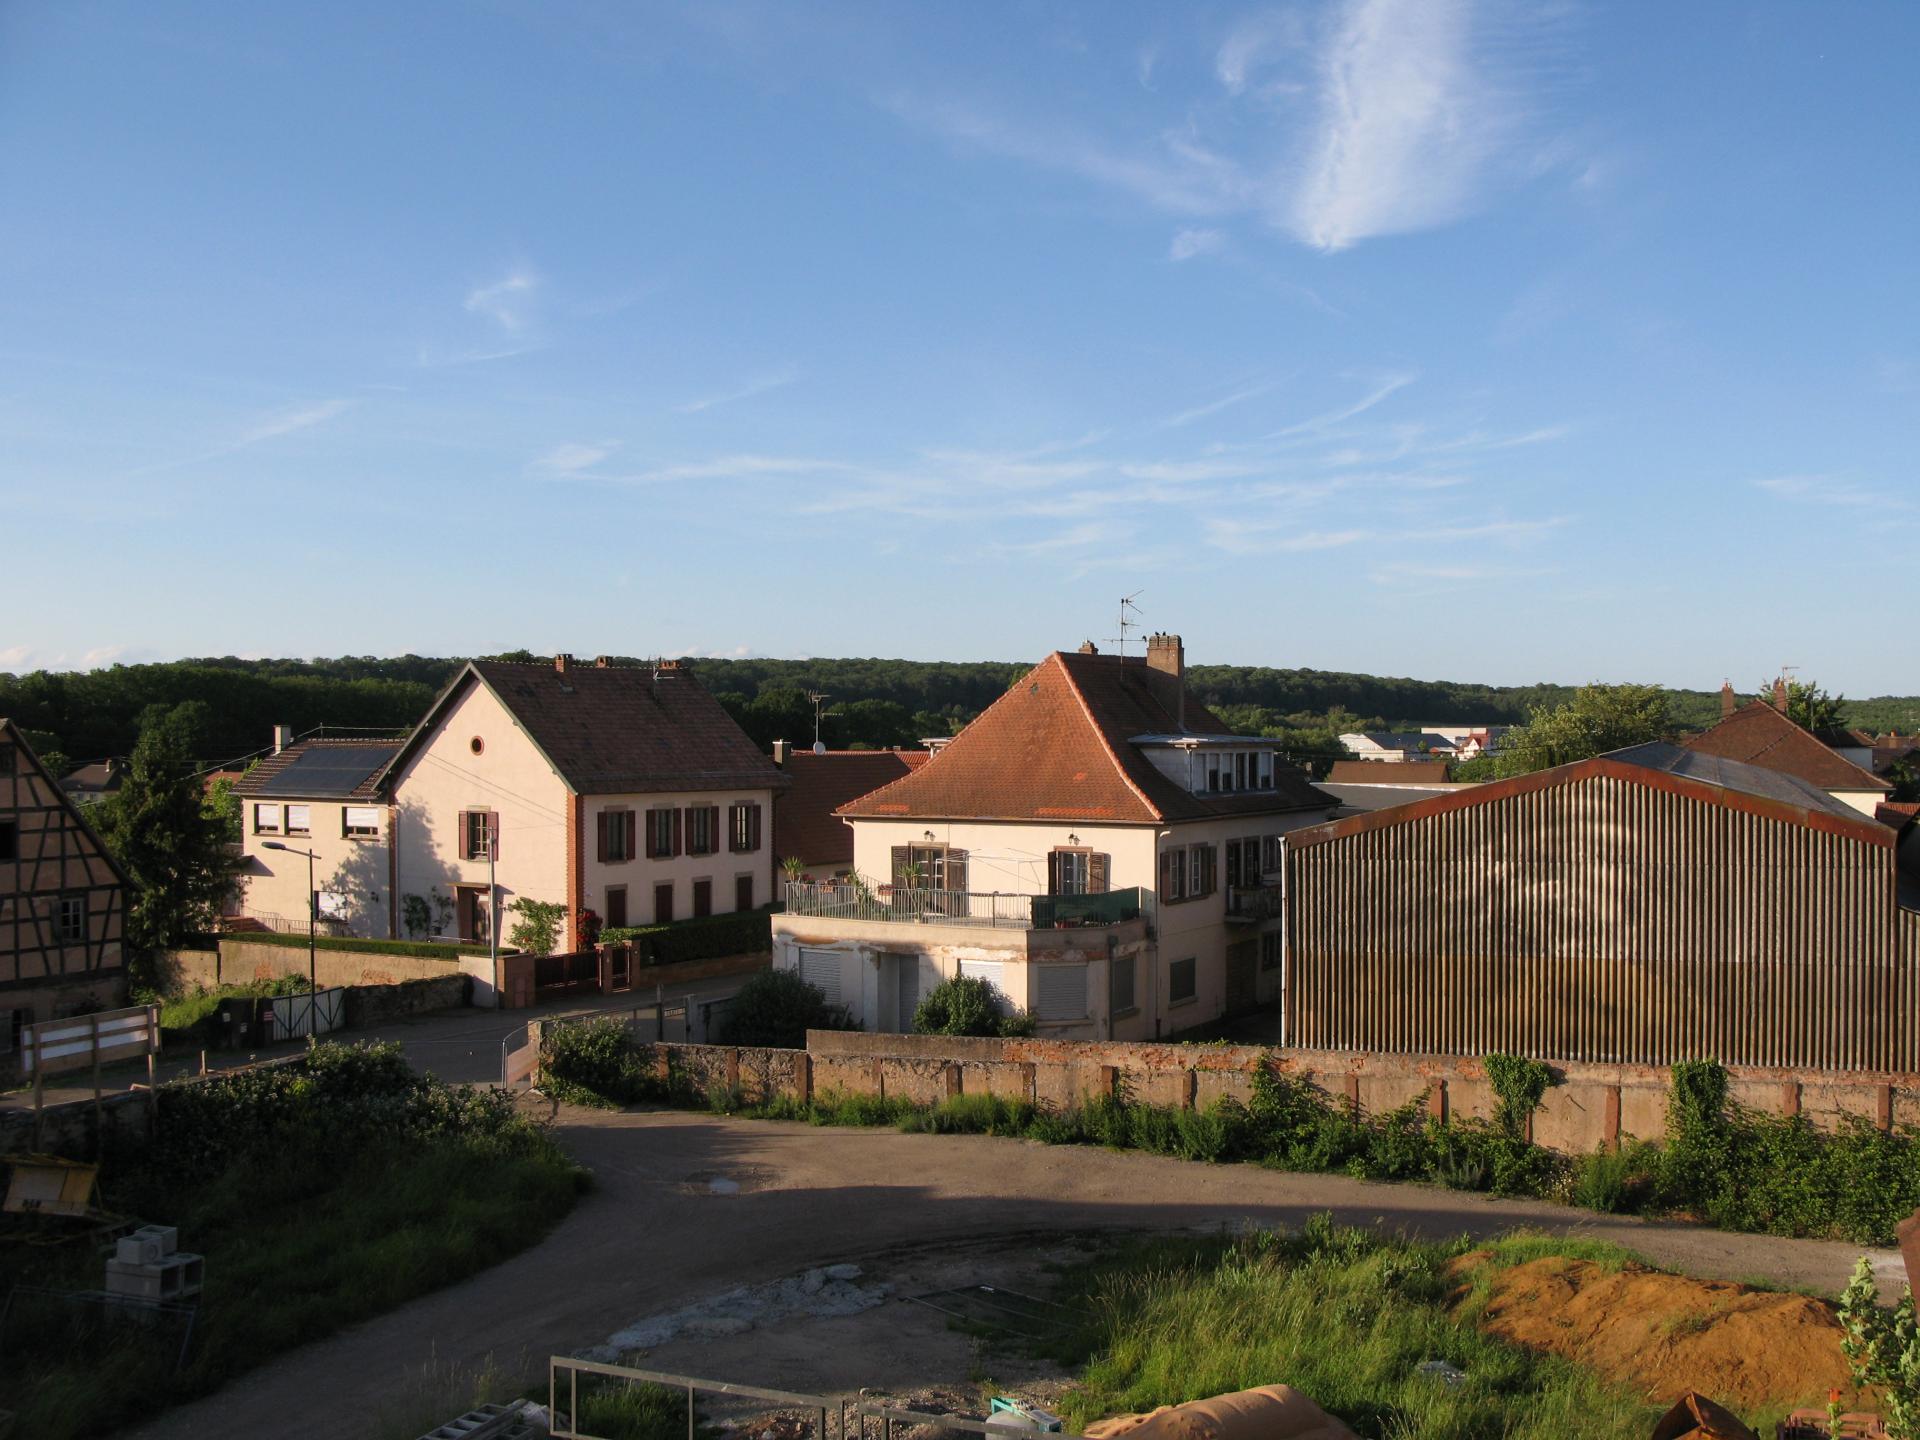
<point x="602" y="662"/>
<point x="1087" y="647"/>
<point x="1780" y="694"/>
<point x="781" y="749"/>
<point x="1727" y="703"/>
<point x="561" y="662"/>
<point x="1166" y="654"/>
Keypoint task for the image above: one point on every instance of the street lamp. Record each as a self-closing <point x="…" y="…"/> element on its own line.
<point x="313" y="905"/>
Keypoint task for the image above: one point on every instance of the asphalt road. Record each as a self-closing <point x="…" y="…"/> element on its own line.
<point x="657" y="1234"/>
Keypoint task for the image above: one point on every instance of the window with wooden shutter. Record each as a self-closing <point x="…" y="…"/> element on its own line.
<point x="1099" y="871"/>
<point x="1173" y="873"/>
<point x="1120" y="984"/>
<point x="491" y="841"/>
<point x="676" y="834"/>
<point x="660" y="828"/>
<point x="902" y="857"/>
<point x="600" y="836"/>
<point x="464" y="844"/>
<point x="956" y="877"/>
<point x="630" y="827"/>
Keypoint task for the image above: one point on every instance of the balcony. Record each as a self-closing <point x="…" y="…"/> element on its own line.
<point x="1250" y="904"/>
<point x="913" y="905"/>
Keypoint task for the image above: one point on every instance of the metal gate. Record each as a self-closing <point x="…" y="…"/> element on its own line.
<point x="564" y="1392"/>
<point x="310" y="1012"/>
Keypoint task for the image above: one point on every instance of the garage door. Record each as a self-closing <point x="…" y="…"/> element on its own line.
<point x="1059" y="992"/>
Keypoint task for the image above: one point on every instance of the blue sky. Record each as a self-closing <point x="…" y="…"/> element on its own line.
<point x="1446" y="339"/>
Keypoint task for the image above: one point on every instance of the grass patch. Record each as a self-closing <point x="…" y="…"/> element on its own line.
<point x="1346" y="1316"/>
<point x="321" y="1194"/>
<point x="188" y="1018"/>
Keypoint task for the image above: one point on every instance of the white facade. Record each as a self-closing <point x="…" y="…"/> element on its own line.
<point x="352" y="877"/>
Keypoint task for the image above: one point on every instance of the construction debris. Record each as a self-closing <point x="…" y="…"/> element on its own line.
<point x="1272" y="1412"/>
<point x="1694" y="1417"/>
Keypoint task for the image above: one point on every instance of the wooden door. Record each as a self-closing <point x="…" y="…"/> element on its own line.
<point x="702" y="898"/>
<point x="616" y="906"/>
<point x="743" y="892"/>
<point x="662" y="903"/>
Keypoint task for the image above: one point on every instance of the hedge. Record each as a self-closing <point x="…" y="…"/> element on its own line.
<point x="420" y="948"/>
<point x="741" y="933"/>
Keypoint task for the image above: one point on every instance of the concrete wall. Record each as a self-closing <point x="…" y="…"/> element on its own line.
<point x="1593" y="1104"/>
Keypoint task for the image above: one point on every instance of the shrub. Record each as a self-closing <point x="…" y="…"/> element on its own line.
<point x="1520" y="1085"/>
<point x="1615" y="1181"/>
<point x="1883" y="1349"/>
<point x="967" y="1005"/>
<point x="537" y="930"/>
<point x="425" y="949"/>
<point x="744" y="932"/>
<point x="595" y="1062"/>
<point x="776" y="1008"/>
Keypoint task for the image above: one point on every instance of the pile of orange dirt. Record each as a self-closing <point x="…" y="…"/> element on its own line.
<point x="1664" y="1335"/>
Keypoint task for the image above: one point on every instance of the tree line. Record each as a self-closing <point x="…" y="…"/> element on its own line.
<point x="870" y="702"/>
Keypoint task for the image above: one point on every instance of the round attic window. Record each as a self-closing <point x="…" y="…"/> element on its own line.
<point x="477" y="745"/>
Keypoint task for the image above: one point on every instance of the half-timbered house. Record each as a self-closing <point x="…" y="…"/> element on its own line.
<point x="62" y="901"/>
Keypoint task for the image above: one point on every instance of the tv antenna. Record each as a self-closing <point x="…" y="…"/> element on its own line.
<point x="819" y="698"/>
<point x="1129" y="619"/>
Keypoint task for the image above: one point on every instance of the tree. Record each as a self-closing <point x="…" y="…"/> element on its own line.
<point x="1808" y="706"/>
<point x="167" y="838"/>
<point x="1599" y="718"/>
<point x="537" y="930"/>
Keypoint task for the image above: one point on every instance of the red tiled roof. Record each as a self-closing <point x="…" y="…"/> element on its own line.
<point x="1057" y="746"/>
<point x="1897" y="814"/>
<point x="1384" y="772"/>
<point x="1758" y="734"/>
<point x="804" y="823"/>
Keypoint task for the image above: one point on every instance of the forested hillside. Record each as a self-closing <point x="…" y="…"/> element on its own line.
<point x="90" y="715"/>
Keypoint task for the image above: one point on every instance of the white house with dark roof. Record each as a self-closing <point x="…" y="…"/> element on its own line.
<point x="1102" y="849"/>
<point x="624" y="790"/>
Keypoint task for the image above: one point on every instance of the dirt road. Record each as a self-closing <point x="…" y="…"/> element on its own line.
<point x="659" y="1232"/>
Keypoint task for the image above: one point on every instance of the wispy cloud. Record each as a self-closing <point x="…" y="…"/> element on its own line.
<point x="1415" y="573"/>
<point x="508" y="301"/>
<point x="744" y="392"/>
<point x="1830" y="490"/>
<point x="1366" y="402"/>
<point x="571" y="458"/>
<point x="1214" y="407"/>
<point x="1388" y="116"/>
<point x="289" y="422"/>
<point x="1191" y="243"/>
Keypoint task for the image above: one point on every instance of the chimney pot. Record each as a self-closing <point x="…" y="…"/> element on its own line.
<point x="1727" y="704"/>
<point x="602" y="662"/>
<point x="561" y="662"/>
<point x="1780" y="694"/>
<point x="1087" y="647"/>
<point x="1166" y="654"/>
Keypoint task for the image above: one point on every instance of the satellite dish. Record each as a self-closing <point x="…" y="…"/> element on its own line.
<point x="819" y="747"/>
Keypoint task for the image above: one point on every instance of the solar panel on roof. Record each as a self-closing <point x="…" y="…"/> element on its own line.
<point x="328" y="770"/>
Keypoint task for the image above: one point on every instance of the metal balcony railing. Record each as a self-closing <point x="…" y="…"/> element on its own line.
<point x="1253" y="902"/>
<point x="917" y="905"/>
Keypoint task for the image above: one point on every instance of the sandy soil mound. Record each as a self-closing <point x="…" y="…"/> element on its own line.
<point x="1666" y="1334"/>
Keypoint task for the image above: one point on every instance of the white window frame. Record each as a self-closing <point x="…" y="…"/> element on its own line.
<point x="278" y="827"/>
<point x="306" y="815"/>
<point x="350" y="831"/>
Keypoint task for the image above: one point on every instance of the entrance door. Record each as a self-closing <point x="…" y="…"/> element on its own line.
<point x="1243" y="976"/>
<point x="616" y="906"/>
<point x="702" y="898"/>
<point x="743" y="892"/>
<point x="470" y="913"/>
<point x="662" y="904"/>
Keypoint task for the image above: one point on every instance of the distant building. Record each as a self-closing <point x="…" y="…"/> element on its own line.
<point x="1398" y="746"/>
<point x="1101" y="849"/>
<point x="93" y="782"/>
<point x="1759" y="733"/>
<point x="1362" y="785"/>
<point x="62" y="902"/>
<point x="805" y="826"/>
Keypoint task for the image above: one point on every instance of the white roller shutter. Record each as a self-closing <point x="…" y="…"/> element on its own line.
<point x="821" y="969"/>
<point x="1059" y="992"/>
